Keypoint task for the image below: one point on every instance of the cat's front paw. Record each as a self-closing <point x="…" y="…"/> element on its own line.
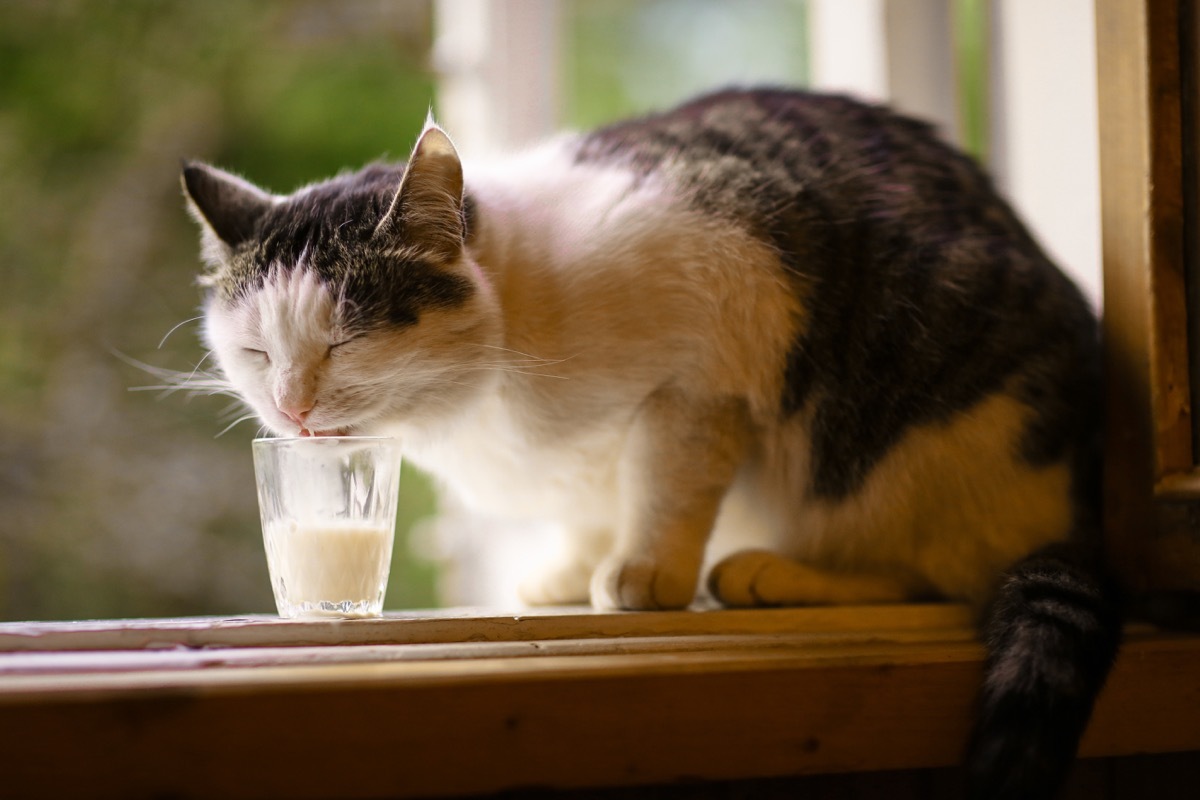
<point x="740" y="581"/>
<point x="639" y="583"/>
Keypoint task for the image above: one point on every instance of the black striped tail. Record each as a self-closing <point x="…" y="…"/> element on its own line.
<point x="1052" y="633"/>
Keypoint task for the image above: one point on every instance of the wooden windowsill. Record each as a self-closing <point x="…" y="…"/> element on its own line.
<point x="460" y="703"/>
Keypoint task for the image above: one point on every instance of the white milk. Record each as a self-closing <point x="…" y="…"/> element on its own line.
<point x="332" y="562"/>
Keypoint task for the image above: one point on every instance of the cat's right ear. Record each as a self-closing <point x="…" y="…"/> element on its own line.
<point x="227" y="207"/>
<point x="428" y="205"/>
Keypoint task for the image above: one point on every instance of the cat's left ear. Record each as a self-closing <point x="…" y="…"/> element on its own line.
<point x="428" y="206"/>
<point x="228" y="207"/>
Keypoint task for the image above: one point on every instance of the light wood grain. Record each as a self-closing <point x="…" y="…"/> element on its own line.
<point x="431" y="627"/>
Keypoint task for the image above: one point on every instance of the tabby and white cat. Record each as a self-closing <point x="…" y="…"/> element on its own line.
<point x="791" y="312"/>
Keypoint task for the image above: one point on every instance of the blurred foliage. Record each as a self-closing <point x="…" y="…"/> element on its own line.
<point x="625" y="57"/>
<point x="127" y="504"/>
<point x="971" y="54"/>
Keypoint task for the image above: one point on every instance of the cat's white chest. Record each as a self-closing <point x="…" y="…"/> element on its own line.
<point x="499" y="463"/>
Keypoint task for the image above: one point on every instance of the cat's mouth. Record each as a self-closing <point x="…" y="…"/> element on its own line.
<point x="305" y="432"/>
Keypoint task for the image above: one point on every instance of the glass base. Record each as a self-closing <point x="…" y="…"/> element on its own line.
<point x="328" y="609"/>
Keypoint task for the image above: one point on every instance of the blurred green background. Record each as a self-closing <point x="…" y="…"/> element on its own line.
<point x="118" y="503"/>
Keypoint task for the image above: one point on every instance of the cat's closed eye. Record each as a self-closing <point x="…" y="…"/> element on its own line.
<point x="333" y="348"/>
<point x="259" y="354"/>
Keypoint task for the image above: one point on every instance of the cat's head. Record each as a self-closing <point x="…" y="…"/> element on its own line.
<point x="350" y="304"/>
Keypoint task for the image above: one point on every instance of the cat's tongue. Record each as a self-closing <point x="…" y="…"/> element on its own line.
<point x="307" y="432"/>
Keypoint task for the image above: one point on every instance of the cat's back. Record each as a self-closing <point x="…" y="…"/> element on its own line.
<point x="773" y="156"/>
<point x="923" y="293"/>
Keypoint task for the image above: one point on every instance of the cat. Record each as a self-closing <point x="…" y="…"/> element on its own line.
<point x="765" y="310"/>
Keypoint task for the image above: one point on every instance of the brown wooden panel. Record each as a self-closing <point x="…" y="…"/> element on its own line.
<point x="1170" y="776"/>
<point x="1149" y="459"/>
<point x="493" y="722"/>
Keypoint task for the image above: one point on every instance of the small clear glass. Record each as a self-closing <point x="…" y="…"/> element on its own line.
<point x="328" y="507"/>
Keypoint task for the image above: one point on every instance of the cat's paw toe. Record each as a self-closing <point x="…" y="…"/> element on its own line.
<point x="639" y="583"/>
<point x="735" y="580"/>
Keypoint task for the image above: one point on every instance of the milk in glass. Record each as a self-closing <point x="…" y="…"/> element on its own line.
<point x="336" y="567"/>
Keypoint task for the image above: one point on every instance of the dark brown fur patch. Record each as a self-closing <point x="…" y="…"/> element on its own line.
<point x="329" y="228"/>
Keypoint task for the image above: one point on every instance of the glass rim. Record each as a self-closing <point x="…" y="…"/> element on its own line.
<point x="317" y="439"/>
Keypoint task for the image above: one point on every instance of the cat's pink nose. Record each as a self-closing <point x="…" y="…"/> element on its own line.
<point x="297" y="412"/>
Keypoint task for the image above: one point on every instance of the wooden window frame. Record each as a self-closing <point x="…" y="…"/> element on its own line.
<point x="1152" y="484"/>
<point x="441" y="705"/>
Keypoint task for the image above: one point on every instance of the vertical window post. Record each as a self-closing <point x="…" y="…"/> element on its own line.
<point x="498" y="67"/>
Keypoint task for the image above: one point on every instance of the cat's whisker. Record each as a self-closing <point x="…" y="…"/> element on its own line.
<point x="510" y="370"/>
<point x="449" y="382"/>
<point x="233" y="409"/>
<point x="505" y="349"/>
<point x="234" y="424"/>
<point x="177" y="327"/>
<point x="528" y="356"/>
<point x="514" y="371"/>
<point x="208" y="387"/>
<point x="514" y="366"/>
<point x="197" y="381"/>
<point x="520" y="363"/>
<point x="200" y="363"/>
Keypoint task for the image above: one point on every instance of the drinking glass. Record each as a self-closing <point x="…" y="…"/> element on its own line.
<point x="328" y="507"/>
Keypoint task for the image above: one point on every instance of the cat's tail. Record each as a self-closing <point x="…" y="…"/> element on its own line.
<point x="1052" y="632"/>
